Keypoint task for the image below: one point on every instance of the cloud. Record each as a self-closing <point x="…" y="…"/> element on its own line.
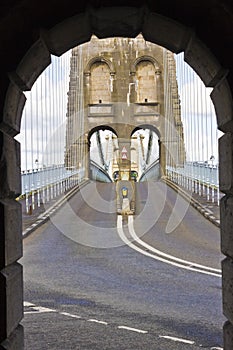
<point x="44" y="115"/>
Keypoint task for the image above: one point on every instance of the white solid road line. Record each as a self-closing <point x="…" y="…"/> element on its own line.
<point x="156" y="251"/>
<point x="181" y="340"/>
<point x="153" y="256"/>
<point x="132" y="329"/>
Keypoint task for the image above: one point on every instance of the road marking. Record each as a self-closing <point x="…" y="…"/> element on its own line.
<point x="69" y="315"/>
<point x="134" y="235"/>
<point x="26" y="303"/>
<point x="38" y="310"/>
<point x="181" y="340"/>
<point x="156" y="257"/>
<point x="132" y="329"/>
<point x="97" y="321"/>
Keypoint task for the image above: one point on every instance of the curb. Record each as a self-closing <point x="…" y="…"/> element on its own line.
<point x="42" y="218"/>
<point x="197" y="205"/>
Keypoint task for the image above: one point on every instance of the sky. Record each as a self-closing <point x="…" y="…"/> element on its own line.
<point x="197" y="114"/>
<point x="43" y="122"/>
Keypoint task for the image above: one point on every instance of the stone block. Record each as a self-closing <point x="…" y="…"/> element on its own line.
<point x="13" y="108"/>
<point x="226" y="214"/>
<point x="227" y="283"/>
<point x="223" y="102"/>
<point x="228" y="336"/>
<point x="15" y="341"/>
<point x="226" y="163"/>
<point x="166" y="32"/>
<point x="203" y="62"/>
<point x="31" y="66"/>
<point x="11" y="306"/>
<point x="124" y="22"/>
<point x="10" y="180"/>
<point x="68" y="34"/>
<point x="10" y="232"/>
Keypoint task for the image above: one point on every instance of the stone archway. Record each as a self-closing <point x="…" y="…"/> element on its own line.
<point x="103" y="22"/>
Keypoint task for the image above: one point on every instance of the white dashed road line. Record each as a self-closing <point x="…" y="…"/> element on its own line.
<point x="34" y="309"/>
<point x="69" y="315"/>
<point x="132" y="329"/>
<point x="180" y="340"/>
<point x="97" y="321"/>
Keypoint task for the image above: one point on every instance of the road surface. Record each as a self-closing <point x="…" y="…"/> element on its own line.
<point x="94" y="280"/>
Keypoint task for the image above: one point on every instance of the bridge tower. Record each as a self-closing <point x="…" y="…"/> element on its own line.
<point x="123" y="85"/>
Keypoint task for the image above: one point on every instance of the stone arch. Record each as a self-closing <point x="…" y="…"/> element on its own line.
<point x="104" y="22"/>
<point x="147" y="126"/>
<point x="101" y="59"/>
<point x="145" y="58"/>
<point x="99" y="80"/>
<point x="146" y="82"/>
<point x="151" y="93"/>
<point x="101" y="127"/>
<point x="156" y="131"/>
<point x="155" y="28"/>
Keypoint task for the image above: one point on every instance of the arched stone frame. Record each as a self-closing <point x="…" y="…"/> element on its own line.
<point x="91" y="132"/>
<point x="157" y="132"/>
<point x="157" y="70"/>
<point x="98" y="91"/>
<point x="87" y="75"/>
<point x="126" y="22"/>
<point x="147" y="126"/>
<point x="102" y="59"/>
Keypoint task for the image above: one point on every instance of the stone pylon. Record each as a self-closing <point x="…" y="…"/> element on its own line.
<point x="123" y="85"/>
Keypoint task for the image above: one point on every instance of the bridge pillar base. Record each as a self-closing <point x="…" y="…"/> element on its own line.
<point x="15" y="340"/>
<point x="227" y="282"/>
<point x="228" y="336"/>
<point x="11" y="287"/>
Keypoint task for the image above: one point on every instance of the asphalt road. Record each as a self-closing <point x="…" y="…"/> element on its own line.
<point x="85" y="288"/>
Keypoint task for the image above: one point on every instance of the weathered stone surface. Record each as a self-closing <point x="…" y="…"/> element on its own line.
<point x="10" y="180"/>
<point x="227" y="282"/>
<point x="14" y="104"/>
<point x="226" y="212"/>
<point x="15" y="341"/>
<point x="64" y="36"/>
<point x="125" y="22"/>
<point x="228" y="336"/>
<point x="223" y="102"/>
<point x="32" y="65"/>
<point x="11" y="306"/>
<point x="226" y="163"/>
<point x="10" y="232"/>
<point x="166" y="32"/>
<point x="203" y="62"/>
<point x="122" y="76"/>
